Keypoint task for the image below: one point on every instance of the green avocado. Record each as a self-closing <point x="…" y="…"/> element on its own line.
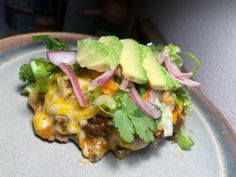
<point x="112" y="42"/>
<point x="153" y="69"/>
<point x="95" y="55"/>
<point x="131" y="61"/>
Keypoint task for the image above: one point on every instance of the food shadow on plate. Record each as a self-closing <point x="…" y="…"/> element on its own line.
<point x="20" y="87"/>
<point x="134" y="158"/>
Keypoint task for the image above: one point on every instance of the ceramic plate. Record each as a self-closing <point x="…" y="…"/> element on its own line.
<point x="22" y="154"/>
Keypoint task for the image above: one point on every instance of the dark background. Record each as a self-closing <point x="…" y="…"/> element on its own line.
<point x="96" y="17"/>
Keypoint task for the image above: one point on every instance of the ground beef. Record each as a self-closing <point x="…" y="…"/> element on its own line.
<point x="96" y="126"/>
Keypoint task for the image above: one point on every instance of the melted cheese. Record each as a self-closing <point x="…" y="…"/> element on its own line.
<point x="58" y="101"/>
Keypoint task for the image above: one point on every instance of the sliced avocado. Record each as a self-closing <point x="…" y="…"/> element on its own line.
<point x="153" y="69"/>
<point x="131" y="61"/>
<point x="95" y="55"/>
<point x="112" y="42"/>
<point x="100" y="66"/>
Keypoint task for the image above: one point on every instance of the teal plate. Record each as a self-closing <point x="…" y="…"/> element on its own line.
<point x="22" y="154"/>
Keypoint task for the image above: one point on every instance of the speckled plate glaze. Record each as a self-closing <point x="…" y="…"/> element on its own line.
<point x="22" y="154"/>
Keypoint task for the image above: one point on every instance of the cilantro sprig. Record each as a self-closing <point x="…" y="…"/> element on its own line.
<point x="52" y="43"/>
<point x="130" y="121"/>
<point x="37" y="75"/>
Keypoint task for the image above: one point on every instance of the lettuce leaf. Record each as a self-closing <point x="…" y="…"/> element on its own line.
<point x="184" y="139"/>
<point x="174" y="55"/>
<point x="37" y="75"/>
<point x="171" y="83"/>
<point x="178" y="57"/>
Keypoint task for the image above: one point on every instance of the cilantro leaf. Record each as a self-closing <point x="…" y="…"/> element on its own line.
<point x="130" y="121"/>
<point x="26" y="73"/>
<point x="127" y="103"/>
<point x="144" y="126"/>
<point x="52" y="43"/>
<point x="124" y="125"/>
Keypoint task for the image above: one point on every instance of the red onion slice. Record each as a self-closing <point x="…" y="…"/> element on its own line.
<point x="170" y="67"/>
<point x="188" y="82"/>
<point x="124" y="84"/>
<point x="184" y="75"/>
<point x="181" y="77"/>
<point x="75" y="84"/>
<point x="102" y="79"/>
<point x="149" y="109"/>
<point x="163" y="55"/>
<point x="153" y="95"/>
<point x="62" y="56"/>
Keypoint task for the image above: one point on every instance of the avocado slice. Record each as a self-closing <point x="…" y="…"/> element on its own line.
<point x="112" y="42"/>
<point x="95" y="55"/>
<point x="131" y="61"/>
<point x="153" y="69"/>
<point x="100" y="66"/>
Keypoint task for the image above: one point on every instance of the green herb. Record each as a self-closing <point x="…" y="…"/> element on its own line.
<point x="52" y="43"/>
<point x="174" y="54"/>
<point x="37" y="73"/>
<point x="124" y="125"/>
<point x="26" y="73"/>
<point x="130" y="121"/>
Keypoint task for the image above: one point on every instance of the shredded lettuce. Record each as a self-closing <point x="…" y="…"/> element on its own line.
<point x="176" y="54"/>
<point x="27" y="89"/>
<point x="106" y="100"/>
<point x="194" y="58"/>
<point x="171" y="83"/>
<point x="37" y="74"/>
<point x="92" y="94"/>
<point x="184" y="139"/>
